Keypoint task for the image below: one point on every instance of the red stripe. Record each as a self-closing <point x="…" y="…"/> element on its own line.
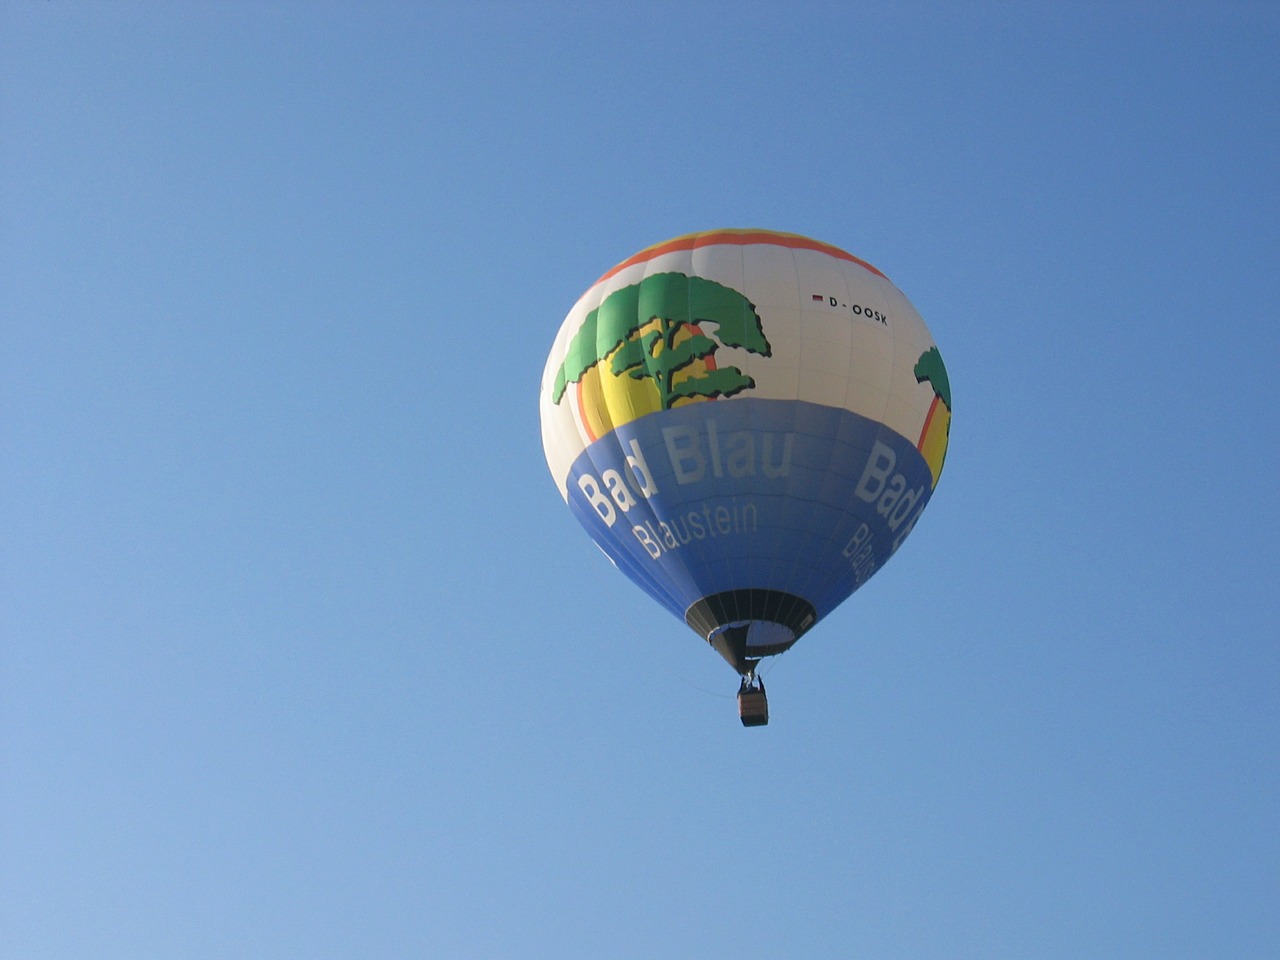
<point x="739" y="238"/>
<point x="582" y="414"/>
<point x="924" y="431"/>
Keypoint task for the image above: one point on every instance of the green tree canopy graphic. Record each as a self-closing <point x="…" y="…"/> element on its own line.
<point x="929" y="367"/>
<point x="674" y="301"/>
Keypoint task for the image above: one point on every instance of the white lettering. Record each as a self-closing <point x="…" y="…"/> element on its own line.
<point x="879" y="466"/>
<point x="783" y="467"/>
<point x="618" y="490"/>
<point x="892" y="492"/>
<point x="741" y="454"/>
<point x="641" y="478"/>
<point x="595" y="496"/>
<point x="662" y="536"/>
<point x="646" y="541"/>
<point x="713" y="441"/>
<point x="685" y="451"/>
<point x="904" y="507"/>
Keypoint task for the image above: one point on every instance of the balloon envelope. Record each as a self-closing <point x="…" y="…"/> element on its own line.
<point x="748" y="424"/>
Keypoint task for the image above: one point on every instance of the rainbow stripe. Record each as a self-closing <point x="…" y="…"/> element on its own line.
<point x="740" y="238"/>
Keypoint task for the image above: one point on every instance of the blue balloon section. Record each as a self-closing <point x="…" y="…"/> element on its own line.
<point x="750" y="495"/>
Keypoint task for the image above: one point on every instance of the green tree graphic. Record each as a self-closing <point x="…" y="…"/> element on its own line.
<point x="930" y="367"/>
<point x="674" y="301"/>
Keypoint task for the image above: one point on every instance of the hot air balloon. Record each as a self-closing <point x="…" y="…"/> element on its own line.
<point x="748" y="424"/>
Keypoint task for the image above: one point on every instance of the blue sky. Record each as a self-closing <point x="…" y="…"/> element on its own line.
<point x="301" y="654"/>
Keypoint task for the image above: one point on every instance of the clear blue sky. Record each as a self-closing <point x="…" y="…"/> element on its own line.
<point x="301" y="654"/>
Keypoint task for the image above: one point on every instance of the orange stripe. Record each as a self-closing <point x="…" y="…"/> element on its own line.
<point x="738" y="238"/>
<point x="582" y="415"/>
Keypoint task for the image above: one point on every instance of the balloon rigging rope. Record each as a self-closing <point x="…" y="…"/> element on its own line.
<point x="685" y="681"/>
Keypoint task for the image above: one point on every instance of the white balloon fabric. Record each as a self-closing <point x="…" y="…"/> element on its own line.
<point x="749" y="424"/>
